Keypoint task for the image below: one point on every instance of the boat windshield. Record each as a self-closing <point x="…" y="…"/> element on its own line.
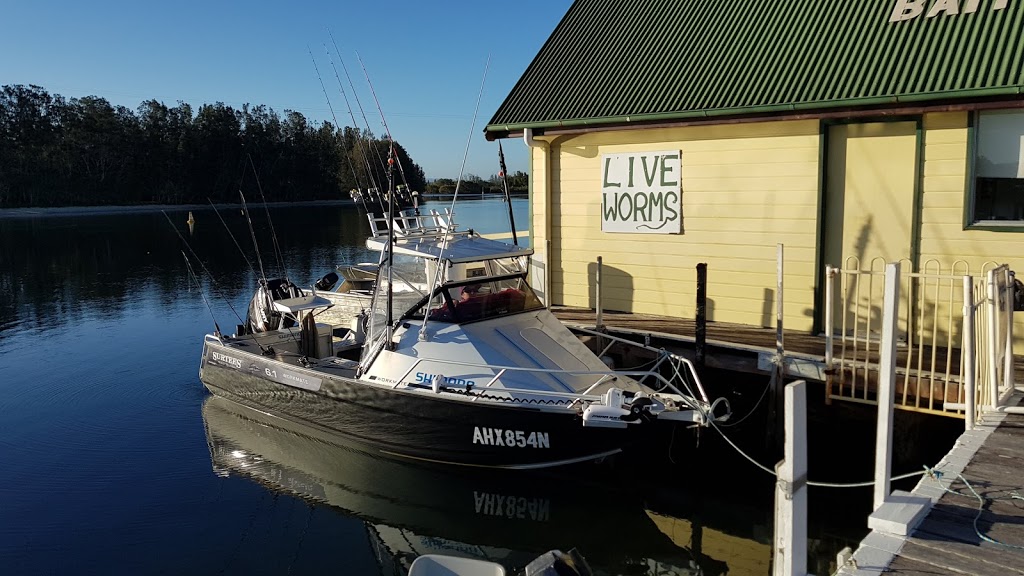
<point x="484" y="298"/>
<point x="410" y="286"/>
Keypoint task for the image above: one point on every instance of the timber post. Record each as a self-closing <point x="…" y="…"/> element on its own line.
<point x="701" y="328"/>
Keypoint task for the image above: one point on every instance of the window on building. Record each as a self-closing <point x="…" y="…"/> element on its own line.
<point x="999" y="167"/>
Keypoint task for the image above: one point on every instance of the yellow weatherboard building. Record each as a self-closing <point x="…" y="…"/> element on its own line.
<point x="673" y="132"/>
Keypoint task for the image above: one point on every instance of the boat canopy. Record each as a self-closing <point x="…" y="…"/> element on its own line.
<point x="461" y="248"/>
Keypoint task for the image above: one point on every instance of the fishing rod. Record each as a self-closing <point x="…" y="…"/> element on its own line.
<point x="259" y="260"/>
<point x="355" y="175"/>
<point x="199" y="287"/>
<point x="273" y="235"/>
<point x="391" y="212"/>
<point x="508" y="196"/>
<point x="391" y="141"/>
<point x="351" y="114"/>
<point x="237" y="245"/>
<point x="359" y="104"/>
<point x="211" y="277"/>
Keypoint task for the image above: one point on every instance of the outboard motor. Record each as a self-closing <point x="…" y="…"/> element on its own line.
<point x="327" y="282"/>
<point x="262" y="317"/>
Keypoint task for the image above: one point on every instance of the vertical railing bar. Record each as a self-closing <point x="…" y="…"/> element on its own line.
<point x="1008" y="375"/>
<point x="915" y="343"/>
<point x="949" y="346"/>
<point x="993" y="335"/>
<point x="968" y="358"/>
<point x="934" y="345"/>
<point x="829" y="331"/>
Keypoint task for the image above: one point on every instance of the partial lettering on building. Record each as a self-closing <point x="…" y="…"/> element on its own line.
<point x="910" y="9"/>
<point x="641" y="192"/>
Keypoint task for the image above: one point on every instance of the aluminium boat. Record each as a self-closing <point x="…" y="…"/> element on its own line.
<point x="457" y="362"/>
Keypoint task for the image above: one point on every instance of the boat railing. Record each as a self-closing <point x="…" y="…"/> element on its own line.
<point x="663" y="355"/>
<point x="431" y="224"/>
<point x="574" y="397"/>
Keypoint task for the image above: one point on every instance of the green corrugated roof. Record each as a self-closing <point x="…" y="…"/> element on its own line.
<point x="614" y="61"/>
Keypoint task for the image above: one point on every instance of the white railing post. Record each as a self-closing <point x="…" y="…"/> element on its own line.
<point x="993" y="340"/>
<point x="886" y="383"/>
<point x="830" y="329"/>
<point x="597" y="295"/>
<point x="791" y="487"/>
<point x="830" y="319"/>
<point x="1008" y="376"/>
<point x="969" y="359"/>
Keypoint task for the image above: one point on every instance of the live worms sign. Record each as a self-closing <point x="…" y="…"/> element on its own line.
<point x="641" y="193"/>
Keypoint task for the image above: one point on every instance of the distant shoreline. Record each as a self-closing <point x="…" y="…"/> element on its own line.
<point x="144" y="208"/>
<point x="34" y="212"/>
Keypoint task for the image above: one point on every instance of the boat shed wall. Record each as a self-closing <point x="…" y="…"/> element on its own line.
<point x="745" y="188"/>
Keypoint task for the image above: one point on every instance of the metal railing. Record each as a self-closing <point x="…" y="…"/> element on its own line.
<point x="953" y="331"/>
<point x="701" y="404"/>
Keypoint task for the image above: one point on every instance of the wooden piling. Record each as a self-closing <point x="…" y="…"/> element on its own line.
<point x="701" y="327"/>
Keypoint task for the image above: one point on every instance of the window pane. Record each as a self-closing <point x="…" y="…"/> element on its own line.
<point x="999" y="166"/>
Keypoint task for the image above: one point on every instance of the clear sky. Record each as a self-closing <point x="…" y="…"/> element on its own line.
<point x="425" y="58"/>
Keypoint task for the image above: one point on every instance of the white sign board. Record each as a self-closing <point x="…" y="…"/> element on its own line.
<point x="641" y="192"/>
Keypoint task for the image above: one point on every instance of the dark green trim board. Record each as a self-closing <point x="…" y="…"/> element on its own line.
<point x="644" y="61"/>
<point x="918" y="206"/>
<point x="818" y="323"/>
<point x="972" y="150"/>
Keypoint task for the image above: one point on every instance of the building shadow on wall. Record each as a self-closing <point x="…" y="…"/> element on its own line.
<point x="620" y="293"/>
<point x="617" y="292"/>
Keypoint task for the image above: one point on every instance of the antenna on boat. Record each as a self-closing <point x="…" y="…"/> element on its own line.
<point x="199" y="286"/>
<point x="508" y="196"/>
<point x="451" y="213"/>
<point x="465" y="155"/>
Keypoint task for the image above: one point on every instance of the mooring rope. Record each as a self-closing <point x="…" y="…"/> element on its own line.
<point x="819" y="484"/>
<point x="937" y="475"/>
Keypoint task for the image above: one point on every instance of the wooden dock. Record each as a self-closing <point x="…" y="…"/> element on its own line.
<point x="744" y="348"/>
<point x="991" y="460"/>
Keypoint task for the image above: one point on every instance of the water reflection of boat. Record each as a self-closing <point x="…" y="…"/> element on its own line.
<point x="410" y="510"/>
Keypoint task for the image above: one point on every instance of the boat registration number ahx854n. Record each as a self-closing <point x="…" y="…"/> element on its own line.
<point x="510" y="438"/>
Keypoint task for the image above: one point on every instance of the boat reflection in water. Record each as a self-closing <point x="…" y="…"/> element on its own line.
<point x="409" y="509"/>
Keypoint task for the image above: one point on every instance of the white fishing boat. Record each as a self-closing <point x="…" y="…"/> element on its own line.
<point x="461" y="363"/>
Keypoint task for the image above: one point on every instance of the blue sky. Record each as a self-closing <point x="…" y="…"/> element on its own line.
<point x="426" y="60"/>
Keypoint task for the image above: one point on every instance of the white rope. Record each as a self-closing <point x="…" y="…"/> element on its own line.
<point x="819" y="484"/>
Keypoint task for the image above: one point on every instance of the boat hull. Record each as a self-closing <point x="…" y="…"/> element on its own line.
<point x="409" y="424"/>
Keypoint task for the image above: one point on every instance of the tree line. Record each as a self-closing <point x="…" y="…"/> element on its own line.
<point x="518" y="184"/>
<point x="57" y="151"/>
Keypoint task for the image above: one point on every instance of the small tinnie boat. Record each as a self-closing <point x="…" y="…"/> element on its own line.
<point x="456" y="361"/>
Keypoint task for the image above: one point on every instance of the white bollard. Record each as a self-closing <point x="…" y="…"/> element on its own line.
<point x="791" y="487"/>
<point x="886" y="381"/>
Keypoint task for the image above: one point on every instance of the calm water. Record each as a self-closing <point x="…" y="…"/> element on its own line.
<point x="115" y="460"/>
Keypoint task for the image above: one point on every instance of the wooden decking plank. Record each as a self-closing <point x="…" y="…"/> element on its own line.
<point x="957" y="529"/>
<point x="909" y="567"/>
<point x="964" y="559"/>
